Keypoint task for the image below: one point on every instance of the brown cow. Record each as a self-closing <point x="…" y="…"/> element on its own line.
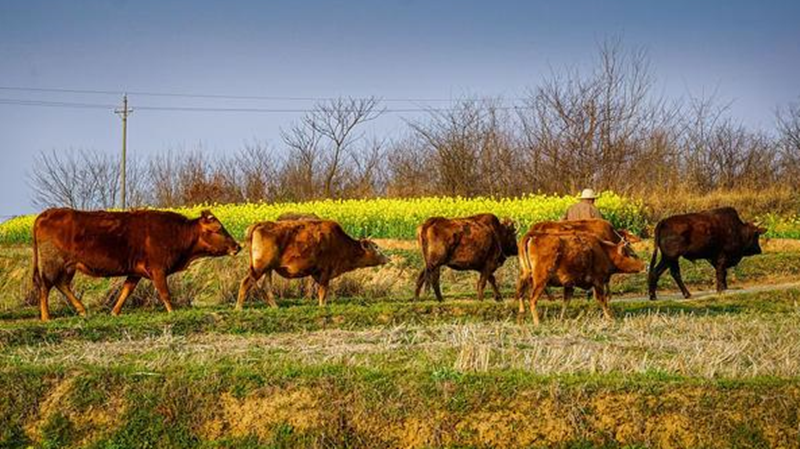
<point x="602" y="229"/>
<point x="299" y="248"/>
<point x="479" y="243"/>
<point x="138" y="244"/>
<point x="573" y="259"/>
<point x="718" y="236"/>
<point x="307" y="286"/>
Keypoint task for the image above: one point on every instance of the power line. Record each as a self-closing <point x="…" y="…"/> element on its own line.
<point x="55" y="104"/>
<point x="226" y="96"/>
<point x="64" y="104"/>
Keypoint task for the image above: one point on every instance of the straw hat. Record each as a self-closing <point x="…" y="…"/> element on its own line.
<point x="588" y="194"/>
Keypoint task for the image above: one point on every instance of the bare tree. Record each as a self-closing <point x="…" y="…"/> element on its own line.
<point x="326" y="141"/>
<point x="303" y="162"/>
<point x="367" y="176"/>
<point x="470" y="153"/>
<point x="409" y="169"/>
<point x="581" y="130"/>
<point x="82" y="179"/>
<point x="257" y="173"/>
<point x="789" y="143"/>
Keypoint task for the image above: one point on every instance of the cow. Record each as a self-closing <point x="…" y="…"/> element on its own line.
<point x="573" y="259"/>
<point x="599" y="227"/>
<point x="603" y="229"/>
<point x="479" y="243"/>
<point x="136" y="244"/>
<point x="717" y="235"/>
<point x="299" y="248"/>
<point x="308" y="286"/>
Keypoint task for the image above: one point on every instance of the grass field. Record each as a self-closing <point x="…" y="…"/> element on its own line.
<point x="375" y="369"/>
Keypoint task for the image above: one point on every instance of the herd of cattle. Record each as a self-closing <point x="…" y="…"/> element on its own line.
<point x="569" y="254"/>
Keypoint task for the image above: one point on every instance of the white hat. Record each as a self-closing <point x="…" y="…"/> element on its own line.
<point x="588" y="194"/>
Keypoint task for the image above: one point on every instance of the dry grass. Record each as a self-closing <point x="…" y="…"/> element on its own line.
<point x="749" y="203"/>
<point x="397" y="244"/>
<point x="707" y="346"/>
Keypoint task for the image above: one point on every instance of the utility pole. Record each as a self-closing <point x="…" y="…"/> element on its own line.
<point x="124" y="114"/>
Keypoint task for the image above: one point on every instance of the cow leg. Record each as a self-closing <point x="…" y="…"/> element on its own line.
<point x="433" y="279"/>
<point x="481" y="285"/>
<point x="568" y="292"/>
<point x="323" y="281"/>
<point x="63" y="287"/>
<point x="654" y="275"/>
<point x="722" y="276"/>
<point x="536" y="293"/>
<point x="244" y="287"/>
<point x="420" y="283"/>
<point x="675" y="271"/>
<point x="44" y="293"/>
<point x="322" y="293"/>
<point x="160" y="282"/>
<point x="268" y="287"/>
<point x="493" y="282"/>
<point x="602" y="297"/>
<point x="127" y="289"/>
<point x="523" y="283"/>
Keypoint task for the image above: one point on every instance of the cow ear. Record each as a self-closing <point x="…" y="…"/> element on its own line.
<point x="366" y="244"/>
<point x="209" y="222"/>
<point x="209" y="218"/>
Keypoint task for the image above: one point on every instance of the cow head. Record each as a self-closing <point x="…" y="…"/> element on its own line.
<point x="623" y="256"/>
<point x="214" y="238"/>
<point x="750" y="234"/>
<point x="508" y="237"/>
<point x="372" y="255"/>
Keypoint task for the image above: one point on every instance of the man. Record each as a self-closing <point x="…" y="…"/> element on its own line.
<point x="584" y="209"/>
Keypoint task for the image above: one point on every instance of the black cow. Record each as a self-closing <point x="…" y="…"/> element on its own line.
<point x="718" y="236"/>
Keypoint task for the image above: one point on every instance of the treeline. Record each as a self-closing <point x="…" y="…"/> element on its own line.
<point x="604" y="128"/>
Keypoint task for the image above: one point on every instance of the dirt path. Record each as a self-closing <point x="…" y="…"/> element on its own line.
<point x="709" y="294"/>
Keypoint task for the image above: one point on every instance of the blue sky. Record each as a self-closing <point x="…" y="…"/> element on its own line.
<point x="746" y="52"/>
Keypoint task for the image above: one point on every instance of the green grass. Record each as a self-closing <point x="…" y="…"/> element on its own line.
<point x="375" y="369"/>
<point x="340" y="406"/>
<point x="22" y="327"/>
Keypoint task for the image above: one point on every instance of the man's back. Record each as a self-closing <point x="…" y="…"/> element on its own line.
<point x="582" y="211"/>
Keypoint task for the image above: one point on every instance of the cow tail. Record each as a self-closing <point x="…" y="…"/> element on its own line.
<point x="37" y="277"/>
<point x="249" y="234"/>
<point x="524" y="259"/>
<point x="423" y="243"/>
<point x="656" y="235"/>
